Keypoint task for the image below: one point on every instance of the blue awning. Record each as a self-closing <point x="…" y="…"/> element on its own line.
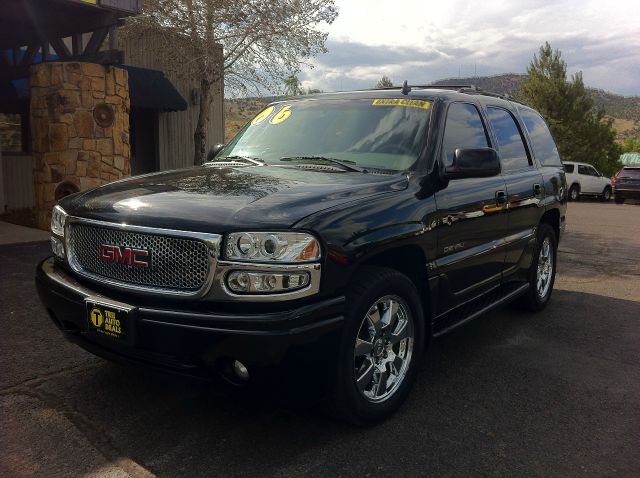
<point x="152" y="90"/>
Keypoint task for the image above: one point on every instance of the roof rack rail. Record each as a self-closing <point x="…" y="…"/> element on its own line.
<point x="459" y="88"/>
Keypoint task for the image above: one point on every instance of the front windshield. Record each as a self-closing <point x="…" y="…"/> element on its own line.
<point x="385" y="133"/>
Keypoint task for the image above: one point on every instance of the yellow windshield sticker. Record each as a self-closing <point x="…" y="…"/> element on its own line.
<point x="282" y="115"/>
<point x="263" y="115"/>
<point x="278" y="118"/>
<point x="425" y="105"/>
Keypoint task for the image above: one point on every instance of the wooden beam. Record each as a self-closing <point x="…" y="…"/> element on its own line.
<point x="29" y="55"/>
<point x="76" y="44"/>
<point x="96" y="40"/>
<point x="60" y="48"/>
<point x="113" y="37"/>
<point x="45" y="51"/>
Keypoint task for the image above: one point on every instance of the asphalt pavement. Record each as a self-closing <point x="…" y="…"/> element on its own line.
<point x="510" y="394"/>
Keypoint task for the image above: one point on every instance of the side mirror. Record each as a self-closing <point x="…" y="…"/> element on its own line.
<point x="213" y="152"/>
<point x="473" y="163"/>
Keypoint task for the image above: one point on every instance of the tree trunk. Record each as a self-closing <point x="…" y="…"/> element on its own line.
<point x="200" y="134"/>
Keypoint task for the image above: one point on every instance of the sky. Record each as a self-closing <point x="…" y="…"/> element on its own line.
<point x="426" y="40"/>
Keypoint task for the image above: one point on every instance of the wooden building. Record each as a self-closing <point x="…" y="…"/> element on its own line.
<point x="163" y="108"/>
<point x="173" y="146"/>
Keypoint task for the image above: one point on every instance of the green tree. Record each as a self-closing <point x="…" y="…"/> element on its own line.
<point x="292" y="86"/>
<point x="581" y="130"/>
<point x="250" y="45"/>
<point x="631" y="145"/>
<point x="384" y="82"/>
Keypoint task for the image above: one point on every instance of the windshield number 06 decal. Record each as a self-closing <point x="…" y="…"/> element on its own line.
<point x="263" y="115"/>
<point x="281" y="116"/>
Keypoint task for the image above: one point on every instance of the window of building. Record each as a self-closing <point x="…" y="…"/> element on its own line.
<point x="463" y="129"/>
<point x="513" y="154"/>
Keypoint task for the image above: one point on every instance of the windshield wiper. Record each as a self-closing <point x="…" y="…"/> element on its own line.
<point x="347" y="165"/>
<point x="255" y="161"/>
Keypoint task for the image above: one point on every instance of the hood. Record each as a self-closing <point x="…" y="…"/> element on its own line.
<point x="212" y="199"/>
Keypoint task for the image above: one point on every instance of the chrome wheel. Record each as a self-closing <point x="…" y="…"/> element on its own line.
<point x="545" y="268"/>
<point x="383" y="349"/>
<point x="573" y="193"/>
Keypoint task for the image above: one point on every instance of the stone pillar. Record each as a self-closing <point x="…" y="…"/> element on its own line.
<point x="79" y="129"/>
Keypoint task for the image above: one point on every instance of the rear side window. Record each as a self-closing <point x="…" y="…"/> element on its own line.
<point x="569" y="168"/>
<point x="587" y="170"/>
<point x="463" y="129"/>
<point x="513" y="154"/>
<point x="630" y="173"/>
<point x="544" y="147"/>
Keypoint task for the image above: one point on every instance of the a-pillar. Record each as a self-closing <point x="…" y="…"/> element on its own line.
<point x="79" y="129"/>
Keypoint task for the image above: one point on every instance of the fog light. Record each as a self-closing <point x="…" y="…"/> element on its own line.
<point x="240" y="370"/>
<point x="266" y="282"/>
<point x="57" y="247"/>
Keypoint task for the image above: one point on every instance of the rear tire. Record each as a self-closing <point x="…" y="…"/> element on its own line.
<point x="574" y="193"/>
<point x="381" y="346"/>
<point x="542" y="273"/>
<point x="606" y="194"/>
<point x="619" y="200"/>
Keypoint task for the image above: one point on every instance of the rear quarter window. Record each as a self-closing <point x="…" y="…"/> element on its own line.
<point x="630" y="173"/>
<point x="542" y="142"/>
<point x="569" y="168"/>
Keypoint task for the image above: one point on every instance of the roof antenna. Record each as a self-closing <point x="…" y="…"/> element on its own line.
<point x="405" y="88"/>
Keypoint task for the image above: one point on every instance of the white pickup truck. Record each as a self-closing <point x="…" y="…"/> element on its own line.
<point x="585" y="180"/>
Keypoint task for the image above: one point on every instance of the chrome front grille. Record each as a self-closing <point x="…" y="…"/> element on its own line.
<point x="178" y="265"/>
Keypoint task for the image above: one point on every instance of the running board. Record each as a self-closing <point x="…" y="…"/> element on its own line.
<point x="449" y="322"/>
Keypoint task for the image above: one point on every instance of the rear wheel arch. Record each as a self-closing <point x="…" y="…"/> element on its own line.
<point x="552" y="217"/>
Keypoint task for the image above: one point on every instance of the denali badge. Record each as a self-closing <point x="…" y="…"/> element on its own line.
<point x="124" y="255"/>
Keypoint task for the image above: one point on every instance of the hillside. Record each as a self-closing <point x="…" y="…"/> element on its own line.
<point x="624" y="110"/>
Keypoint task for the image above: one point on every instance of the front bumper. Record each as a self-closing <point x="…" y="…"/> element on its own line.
<point x="195" y="342"/>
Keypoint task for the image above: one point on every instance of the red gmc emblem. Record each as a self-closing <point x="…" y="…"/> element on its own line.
<point x="124" y="255"/>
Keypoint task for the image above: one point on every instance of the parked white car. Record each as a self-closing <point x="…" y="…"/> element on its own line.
<point x="585" y="180"/>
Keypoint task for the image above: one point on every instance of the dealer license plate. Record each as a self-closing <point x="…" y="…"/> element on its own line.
<point x="108" y="321"/>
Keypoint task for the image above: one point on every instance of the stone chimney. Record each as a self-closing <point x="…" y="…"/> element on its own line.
<point x="79" y="129"/>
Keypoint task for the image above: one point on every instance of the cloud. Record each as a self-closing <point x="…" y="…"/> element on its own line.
<point x="423" y="42"/>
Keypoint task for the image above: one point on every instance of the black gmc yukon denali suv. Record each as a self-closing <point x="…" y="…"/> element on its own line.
<point x="333" y="237"/>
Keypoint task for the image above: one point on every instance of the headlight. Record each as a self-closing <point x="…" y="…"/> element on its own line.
<point x="272" y="246"/>
<point x="58" y="218"/>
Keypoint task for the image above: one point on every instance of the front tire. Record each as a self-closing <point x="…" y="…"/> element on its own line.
<point x="574" y="193"/>
<point x="381" y="346"/>
<point x="542" y="273"/>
